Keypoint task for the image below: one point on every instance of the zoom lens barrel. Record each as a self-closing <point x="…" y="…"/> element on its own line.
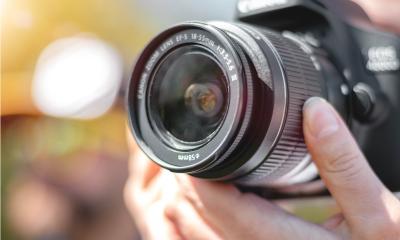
<point x="223" y="101"/>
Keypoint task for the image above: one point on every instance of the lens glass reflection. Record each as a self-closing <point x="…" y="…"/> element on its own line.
<point x="188" y="95"/>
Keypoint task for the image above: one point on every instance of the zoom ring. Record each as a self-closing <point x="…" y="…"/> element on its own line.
<point x="303" y="82"/>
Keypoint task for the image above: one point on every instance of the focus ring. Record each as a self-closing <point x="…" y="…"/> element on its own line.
<point x="246" y="114"/>
<point x="303" y="82"/>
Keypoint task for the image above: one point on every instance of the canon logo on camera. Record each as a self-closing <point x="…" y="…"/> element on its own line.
<point x="245" y="6"/>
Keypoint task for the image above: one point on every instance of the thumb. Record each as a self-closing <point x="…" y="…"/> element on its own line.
<point x="345" y="171"/>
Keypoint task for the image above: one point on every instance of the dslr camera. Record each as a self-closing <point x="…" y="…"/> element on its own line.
<point x="223" y="100"/>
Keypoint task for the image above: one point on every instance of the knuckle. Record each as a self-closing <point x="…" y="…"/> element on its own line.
<point x="200" y="204"/>
<point x="170" y="210"/>
<point x="341" y="161"/>
<point x="344" y="164"/>
<point x="172" y="205"/>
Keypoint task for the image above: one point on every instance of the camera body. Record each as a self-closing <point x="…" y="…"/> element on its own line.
<point x="222" y="101"/>
<point x="367" y="61"/>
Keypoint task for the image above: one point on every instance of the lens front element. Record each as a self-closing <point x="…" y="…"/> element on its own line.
<point x="188" y="95"/>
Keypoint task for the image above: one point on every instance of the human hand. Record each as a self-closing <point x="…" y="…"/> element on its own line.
<point x="382" y="13"/>
<point x="169" y="206"/>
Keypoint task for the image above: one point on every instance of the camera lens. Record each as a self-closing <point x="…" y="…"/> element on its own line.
<point x="187" y="97"/>
<point x="223" y="101"/>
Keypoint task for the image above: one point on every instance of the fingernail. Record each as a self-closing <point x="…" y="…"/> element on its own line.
<point x="320" y="118"/>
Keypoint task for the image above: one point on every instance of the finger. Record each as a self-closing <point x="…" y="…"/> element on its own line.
<point x="333" y="222"/>
<point x="246" y="216"/>
<point x="132" y="146"/>
<point x="338" y="225"/>
<point x="188" y="222"/>
<point x="382" y="13"/>
<point x="158" y="226"/>
<point x="141" y="168"/>
<point x="314" y="187"/>
<point x="147" y="206"/>
<point x="138" y="199"/>
<point x="359" y="193"/>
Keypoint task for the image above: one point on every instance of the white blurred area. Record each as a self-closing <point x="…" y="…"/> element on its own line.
<point x="174" y="11"/>
<point x="77" y="77"/>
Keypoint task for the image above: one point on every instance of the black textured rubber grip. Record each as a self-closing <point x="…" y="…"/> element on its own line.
<point x="303" y="82"/>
